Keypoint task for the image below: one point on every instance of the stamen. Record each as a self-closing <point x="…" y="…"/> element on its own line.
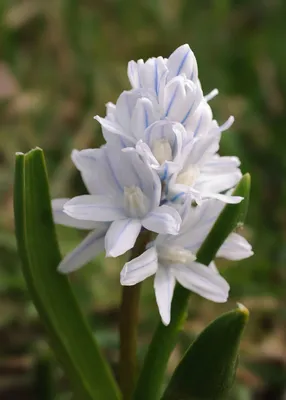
<point x="162" y="150"/>
<point x="135" y="202"/>
<point x="211" y="95"/>
<point x="227" y="124"/>
<point x="189" y="176"/>
<point x="175" y="255"/>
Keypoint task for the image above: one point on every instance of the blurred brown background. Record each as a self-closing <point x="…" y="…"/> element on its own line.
<point x="60" y="62"/>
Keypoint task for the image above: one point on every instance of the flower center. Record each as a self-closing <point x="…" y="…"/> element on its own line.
<point x="189" y="175"/>
<point x="175" y="255"/>
<point x="162" y="150"/>
<point x="135" y="202"/>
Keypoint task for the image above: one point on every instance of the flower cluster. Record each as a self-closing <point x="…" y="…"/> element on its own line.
<point x="159" y="171"/>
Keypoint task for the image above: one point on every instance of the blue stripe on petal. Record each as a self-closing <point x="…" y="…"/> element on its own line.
<point x="183" y="62"/>
<point x="156" y="77"/>
<point x="198" y="126"/>
<point x="165" y="173"/>
<point x="177" y="196"/>
<point x="146" y="117"/>
<point x="113" y="174"/>
<point x="188" y="113"/>
<point x="171" y="101"/>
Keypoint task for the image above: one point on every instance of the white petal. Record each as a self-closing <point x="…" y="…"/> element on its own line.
<point x="94" y="208"/>
<point x="183" y="61"/>
<point x="61" y="218"/>
<point x="219" y="183"/>
<point x="222" y="197"/>
<point x="139" y="268"/>
<point x="114" y="128"/>
<point x="143" y="116"/>
<point x="85" y="160"/>
<point x="164" y="284"/>
<point x="163" y="219"/>
<point x="236" y="247"/>
<point x="121" y="236"/>
<point x="133" y="74"/>
<point x="202" y="280"/>
<point x="88" y="249"/>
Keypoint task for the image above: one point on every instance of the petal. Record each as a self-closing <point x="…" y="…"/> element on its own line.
<point x="202" y="280"/>
<point x="94" y="208"/>
<point x="61" y="218"/>
<point x="139" y="268"/>
<point x="217" y="183"/>
<point x="164" y="284"/>
<point x="121" y="236"/>
<point x="222" y="197"/>
<point x="133" y="73"/>
<point x="88" y="249"/>
<point x="236" y="247"/>
<point x="142" y="116"/>
<point x="163" y="219"/>
<point x="114" y="128"/>
<point x="183" y="61"/>
<point x="86" y="160"/>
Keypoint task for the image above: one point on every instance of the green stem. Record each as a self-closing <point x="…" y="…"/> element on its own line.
<point x="163" y="342"/>
<point x="128" y="339"/>
<point x="129" y="311"/>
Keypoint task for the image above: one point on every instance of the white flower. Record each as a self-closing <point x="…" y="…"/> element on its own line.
<point x="128" y="195"/>
<point x="172" y="258"/>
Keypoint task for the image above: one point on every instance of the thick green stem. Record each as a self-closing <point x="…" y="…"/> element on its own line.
<point x="128" y="327"/>
<point x="128" y="339"/>
<point x="163" y="342"/>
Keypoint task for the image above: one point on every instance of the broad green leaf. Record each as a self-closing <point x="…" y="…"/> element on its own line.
<point x="69" y="334"/>
<point x="164" y="339"/>
<point x="207" y="371"/>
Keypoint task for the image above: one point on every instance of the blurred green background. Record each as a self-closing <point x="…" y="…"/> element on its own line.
<point x="60" y="62"/>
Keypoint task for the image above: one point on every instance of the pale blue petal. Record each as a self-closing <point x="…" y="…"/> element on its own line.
<point x="163" y="219"/>
<point x="202" y="280"/>
<point x="139" y="268"/>
<point x="235" y="248"/>
<point x="94" y="208"/>
<point x="121" y="236"/>
<point x="88" y="249"/>
<point x="61" y="218"/>
<point x="164" y="284"/>
<point x="183" y="61"/>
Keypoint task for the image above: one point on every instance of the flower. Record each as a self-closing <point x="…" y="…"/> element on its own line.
<point x="128" y="195"/>
<point x="173" y="258"/>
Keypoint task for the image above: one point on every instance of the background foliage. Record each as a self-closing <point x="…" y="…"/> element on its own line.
<point x="60" y="62"/>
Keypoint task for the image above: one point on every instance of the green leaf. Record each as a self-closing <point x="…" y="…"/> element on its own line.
<point x="69" y="334"/>
<point x="207" y="371"/>
<point x="165" y="337"/>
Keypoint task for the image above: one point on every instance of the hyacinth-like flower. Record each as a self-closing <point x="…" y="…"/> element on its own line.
<point x="173" y="258"/>
<point x="159" y="171"/>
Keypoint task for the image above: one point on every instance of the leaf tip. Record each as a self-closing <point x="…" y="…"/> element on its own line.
<point x="243" y="310"/>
